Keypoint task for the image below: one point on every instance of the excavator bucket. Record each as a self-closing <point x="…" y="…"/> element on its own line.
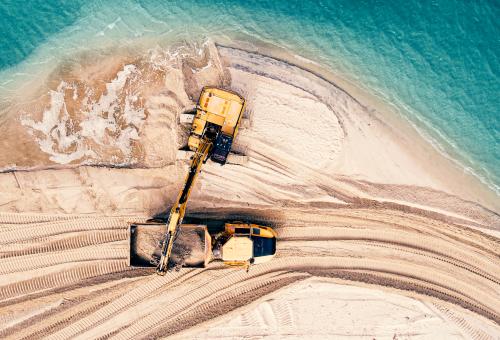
<point x="192" y="246"/>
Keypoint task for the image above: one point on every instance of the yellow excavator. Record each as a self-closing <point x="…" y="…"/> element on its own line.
<point x="215" y="125"/>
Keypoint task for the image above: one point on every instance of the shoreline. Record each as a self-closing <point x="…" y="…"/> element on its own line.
<point x="389" y="110"/>
<point x="252" y="44"/>
<point x="378" y="123"/>
<point x="389" y="115"/>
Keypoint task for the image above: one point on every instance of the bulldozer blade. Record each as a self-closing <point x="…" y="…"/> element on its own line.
<point x="232" y="158"/>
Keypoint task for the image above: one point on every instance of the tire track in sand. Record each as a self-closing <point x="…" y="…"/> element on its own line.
<point x="81" y="271"/>
<point x="82" y="239"/>
<point x="132" y="297"/>
<point x="433" y="277"/>
<point x="61" y="227"/>
<point x="375" y="272"/>
<point x="90" y="253"/>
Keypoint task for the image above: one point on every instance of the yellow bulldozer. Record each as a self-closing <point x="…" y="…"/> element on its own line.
<point x="214" y="127"/>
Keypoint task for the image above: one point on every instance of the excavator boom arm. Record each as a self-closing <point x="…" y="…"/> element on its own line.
<point x="179" y="208"/>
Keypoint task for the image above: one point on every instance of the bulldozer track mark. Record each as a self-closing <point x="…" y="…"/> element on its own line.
<point x="16" y="218"/>
<point x="74" y="310"/>
<point x="428" y="287"/>
<point x="440" y="257"/>
<point x="91" y="253"/>
<point x="422" y="287"/>
<point x="421" y="251"/>
<point x="460" y="297"/>
<point x="62" y="227"/>
<point x="85" y="270"/>
<point x="461" y="322"/>
<point x="418" y="272"/>
<point x="93" y="237"/>
<point x="308" y="265"/>
<point x="214" y="291"/>
<point x="409" y="283"/>
<point x="403" y="239"/>
<point x="47" y="326"/>
<point x="213" y="308"/>
<point x="85" y="282"/>
<point x="125" y="301"/>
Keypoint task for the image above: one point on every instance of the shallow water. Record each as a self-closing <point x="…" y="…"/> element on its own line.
<point x="436" y="62"/>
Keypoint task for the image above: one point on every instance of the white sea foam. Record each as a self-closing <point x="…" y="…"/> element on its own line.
<point x="105" y="121"/>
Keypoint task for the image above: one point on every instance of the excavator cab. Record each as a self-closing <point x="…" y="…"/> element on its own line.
<point x="218" y="114"/>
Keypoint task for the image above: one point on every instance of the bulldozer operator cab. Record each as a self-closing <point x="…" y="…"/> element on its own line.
<point x="248" y="244"/>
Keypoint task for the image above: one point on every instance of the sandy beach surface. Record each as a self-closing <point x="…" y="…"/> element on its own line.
<point x="380" y="236"/>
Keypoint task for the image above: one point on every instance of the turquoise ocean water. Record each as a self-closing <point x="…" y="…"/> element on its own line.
<point x="437" y="62"/>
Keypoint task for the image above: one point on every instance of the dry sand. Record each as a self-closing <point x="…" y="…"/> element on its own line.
<point x="355" y="195"/>
<point x="319" y="308"/>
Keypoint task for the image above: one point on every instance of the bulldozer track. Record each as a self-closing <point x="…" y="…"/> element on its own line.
<point x="440" y="257"/>
<point x="15" y="218"/>
<point x="474" y="333"/>
<point x="410" y="284"/>
<point x="411" y="239"/>
<point x="437" y="285"/>
<point x="25" y="219"/>
<point x="310" y="265"/>
<point x="75" y="311"/>
<point x="424" y="245"/>
<point x="212" y="298"/>
<point x="231" y="301"/>
<point x="230" y="281"/>
<point x="184" y="301"/>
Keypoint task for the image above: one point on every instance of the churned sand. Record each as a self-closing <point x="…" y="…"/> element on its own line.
<point x="379" y="235"/>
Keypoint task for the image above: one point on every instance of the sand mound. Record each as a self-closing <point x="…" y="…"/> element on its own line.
<point x="302" y="128"/>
